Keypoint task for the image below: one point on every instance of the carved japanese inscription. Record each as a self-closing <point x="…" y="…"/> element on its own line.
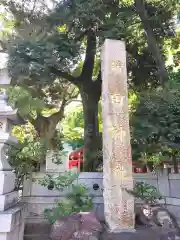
<point x="119" y="206"/>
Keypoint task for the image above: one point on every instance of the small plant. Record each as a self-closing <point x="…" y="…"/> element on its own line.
<point x="146" y="192"/>
<point x="59" y="182"/>
<point x="76" y="201"/>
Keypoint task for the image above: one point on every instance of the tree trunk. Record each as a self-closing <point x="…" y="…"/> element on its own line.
<point x="150" y="167"/>
<point x="175" y="163"/>
<point x="92" y="140"/>
<point x="152" y="42"/>
<point x="46" y="126"/>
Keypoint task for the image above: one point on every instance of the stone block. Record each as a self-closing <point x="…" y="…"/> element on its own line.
<point x="7" y="180"/>
<point x="37" y="237"/>
<point x="175" y="210"/>
<point x="37" y="228"/>
<point x="4" y="77"/>
<point x="27" y="187"/>
<point x="8" y="200"/>
<point x="89" y="184"/>
<point x="10" y="219"/>
<point x="99" y="211"/>
<point x="15" y="234"/>
<point x="65" y="226"/>
<point x="142" y="234"/>
<point x="38" y="190"/>
<point x="90" y="223"/>
<point x="174" y="188"/>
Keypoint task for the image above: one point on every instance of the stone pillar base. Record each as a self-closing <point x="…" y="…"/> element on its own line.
<point x="120" y="230"/>
<point x="12" y="222"/>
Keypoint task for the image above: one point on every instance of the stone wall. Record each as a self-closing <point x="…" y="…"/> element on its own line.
<point x="39" y="198"/>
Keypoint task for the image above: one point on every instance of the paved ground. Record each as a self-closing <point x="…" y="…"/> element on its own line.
<point x="143" y="234"/>
<point x="41" y="232"/>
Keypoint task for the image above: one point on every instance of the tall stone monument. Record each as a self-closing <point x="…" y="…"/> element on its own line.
<point x="12" y="213"/>
<point x="117" y="168"/>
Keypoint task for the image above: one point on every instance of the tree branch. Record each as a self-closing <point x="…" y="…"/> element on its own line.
<point x="99" y="77"/>
<point x="56" y="117"/>
<point x="88" y="66"/>
<point x="64" y="75"/>
<point x="73" y="96"/>
<point x="32" y="120"/>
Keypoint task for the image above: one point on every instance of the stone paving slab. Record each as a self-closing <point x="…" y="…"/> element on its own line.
<point x="143" y="234"/>
<point x="37" y="237"/>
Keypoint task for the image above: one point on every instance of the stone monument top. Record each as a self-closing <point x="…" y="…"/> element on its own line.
<point x="6" y="111"/>
<point x="8" y="116"/>
<point x="5" y="79"/>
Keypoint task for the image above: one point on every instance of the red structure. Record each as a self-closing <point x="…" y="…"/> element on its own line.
<point x="76" y="160"/>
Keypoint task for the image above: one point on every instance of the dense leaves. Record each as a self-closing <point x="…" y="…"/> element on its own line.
<point x="77" y="199"/>
<point x="145" y="192"/>
<point x="28" y="154"/>
<point x="156" y="123"/>
<point x="47" y="43"/>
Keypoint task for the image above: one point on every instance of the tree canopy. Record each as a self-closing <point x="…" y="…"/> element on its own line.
<point x="52" y="46"/>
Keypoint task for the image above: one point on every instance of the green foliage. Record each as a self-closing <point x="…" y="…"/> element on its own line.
<point x="45" y="48"/>
<point x="155" y="123"/>
<point x="22" y="99"/>
<point x="145" y="192"/>
<point x="31" y="150"/>
<point x="33" y="142"/>
<point x="73" y="126"/>
<point x="76" y="201"/>
<point x="26" y="156"/>
<point x="59" y="182"/>
<point x="47" y="39"/>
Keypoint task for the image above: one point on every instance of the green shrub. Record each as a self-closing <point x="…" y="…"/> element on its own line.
<point x="146" y="192"/>
<point x="77" y="200"/>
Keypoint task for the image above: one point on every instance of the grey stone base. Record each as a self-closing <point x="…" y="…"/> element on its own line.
<point x="36" y="237"/>
<point x="12" y="222"/>
<point x="142" y="234"/>
<point x="119" y="230"/>
<point x="37" y="228"/>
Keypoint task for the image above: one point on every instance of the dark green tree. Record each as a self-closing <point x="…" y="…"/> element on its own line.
<point x="155" y="124"/>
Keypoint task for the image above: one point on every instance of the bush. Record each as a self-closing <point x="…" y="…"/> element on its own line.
<point x="146" y="192"/>
<point x="76" y="201"/>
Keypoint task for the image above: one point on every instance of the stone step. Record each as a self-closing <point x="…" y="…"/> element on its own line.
<point x="37" y="228"/>
<point x="36" y="237"/>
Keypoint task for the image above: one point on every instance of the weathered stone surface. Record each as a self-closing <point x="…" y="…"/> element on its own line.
<point x="117" y="164"/>
<point x="37" y="228"/>
<point x="90" y="228"/>
<point x="156" y="215"/>
<point x="90" y="223"/>
<point x="36" y="237"/>
<point x="77" y="226"/>
<point x="143" y="234"/>
<point x="64" y="228"/>
<point x="165" y="218"/>
<point x="85" y="235"/>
